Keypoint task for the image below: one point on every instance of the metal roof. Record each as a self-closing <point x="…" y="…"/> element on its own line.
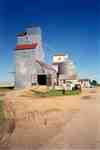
<point x="59" y="54"/>
<point x="47" y="66"/>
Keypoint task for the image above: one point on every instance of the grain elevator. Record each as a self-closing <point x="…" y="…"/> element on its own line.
<point x="28" y="50"/>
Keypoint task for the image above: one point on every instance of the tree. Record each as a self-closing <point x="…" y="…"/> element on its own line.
<point x="94" y="83"/>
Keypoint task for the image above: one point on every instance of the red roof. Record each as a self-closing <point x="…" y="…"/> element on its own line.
<point x="26" y="46"/>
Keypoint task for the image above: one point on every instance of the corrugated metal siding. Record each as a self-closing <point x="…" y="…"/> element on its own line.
<point x="26" y="67"/>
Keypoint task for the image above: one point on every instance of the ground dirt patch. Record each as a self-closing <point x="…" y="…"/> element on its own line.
<point x="87" y="97"/>
<point x="38" y="119"/>
<point x="6" y="130"/>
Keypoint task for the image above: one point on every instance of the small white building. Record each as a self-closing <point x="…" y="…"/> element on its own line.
<point x="85" y="83"/>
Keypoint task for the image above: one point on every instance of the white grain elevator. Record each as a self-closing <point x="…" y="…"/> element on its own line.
<point x="29" y="49"/>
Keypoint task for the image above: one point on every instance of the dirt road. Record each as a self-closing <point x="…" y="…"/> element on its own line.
<point x="83" y="131"/>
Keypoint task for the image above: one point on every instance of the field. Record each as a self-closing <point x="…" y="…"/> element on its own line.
<point x="1" y="111"/>
<point x="37" y="92"/>
<point x="32" y="93"/>
<point x="3" y="91"/>
<point x="35" y="111"/>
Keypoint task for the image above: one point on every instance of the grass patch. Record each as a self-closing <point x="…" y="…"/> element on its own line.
<point x="4" y="90"/>
<point x="7" y="88"/>
<point x="2" y="117"/>
<point x="55" y="93"/>
<point x="75" y="92"/>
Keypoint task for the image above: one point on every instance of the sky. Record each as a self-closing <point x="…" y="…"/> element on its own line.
<point x="68" y="26"/>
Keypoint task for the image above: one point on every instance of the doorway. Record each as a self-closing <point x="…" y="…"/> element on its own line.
<point x="42" y="79"/>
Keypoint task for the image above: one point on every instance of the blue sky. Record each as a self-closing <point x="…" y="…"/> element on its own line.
<point x="69" y="26"/>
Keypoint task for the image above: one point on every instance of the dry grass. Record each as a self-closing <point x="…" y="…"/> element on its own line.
<point x="27" y="104"/>
<point x="38" y="119"/>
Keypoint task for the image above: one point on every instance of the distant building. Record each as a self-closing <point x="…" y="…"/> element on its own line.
<point x="65" y="67"/>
